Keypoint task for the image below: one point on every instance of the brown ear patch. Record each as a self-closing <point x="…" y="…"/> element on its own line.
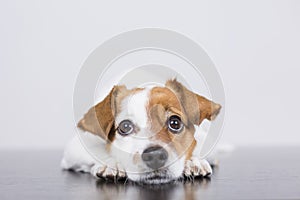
<point x="196" y="107"/>
<point x="99" y="120"/>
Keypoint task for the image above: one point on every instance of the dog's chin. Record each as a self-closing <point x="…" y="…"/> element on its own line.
<point x="156" y="177"/>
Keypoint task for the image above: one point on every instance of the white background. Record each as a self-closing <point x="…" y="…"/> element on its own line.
<point x="254" y="44"/>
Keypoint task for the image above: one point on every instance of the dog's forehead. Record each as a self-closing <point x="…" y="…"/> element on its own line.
<point x="137" y="104"/>
<point x="133" y="107"/>
<point x="163" y="96"/>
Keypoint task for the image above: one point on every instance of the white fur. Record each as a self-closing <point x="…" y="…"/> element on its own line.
<point x="84" y="151"/>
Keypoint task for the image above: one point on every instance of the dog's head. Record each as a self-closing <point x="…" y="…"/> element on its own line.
<point x="150" y="131"/>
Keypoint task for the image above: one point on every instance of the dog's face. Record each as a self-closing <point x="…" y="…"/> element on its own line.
<point x="150" y="131"/>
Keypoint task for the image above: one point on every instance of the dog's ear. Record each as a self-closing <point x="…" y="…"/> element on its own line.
<point x="196" y="107"/>
<point x="100" y="119"/>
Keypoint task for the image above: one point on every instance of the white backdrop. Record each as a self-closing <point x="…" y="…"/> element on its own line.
<point x="254" y="44"/>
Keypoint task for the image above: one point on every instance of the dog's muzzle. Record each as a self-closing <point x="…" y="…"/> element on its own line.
<point x="155" y="157"/>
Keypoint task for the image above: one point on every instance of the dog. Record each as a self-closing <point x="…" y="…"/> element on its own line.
<point x="148" y="135"/>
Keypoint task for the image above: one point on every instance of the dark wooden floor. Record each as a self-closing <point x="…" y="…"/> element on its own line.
<point x="258" y="173"/>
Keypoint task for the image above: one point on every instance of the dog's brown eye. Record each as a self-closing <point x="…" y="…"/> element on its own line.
<point x="174" y="124"/>
<point x="125" y="127"/>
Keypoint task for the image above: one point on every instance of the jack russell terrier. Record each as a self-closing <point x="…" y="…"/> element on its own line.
<point x="148" y="135"/>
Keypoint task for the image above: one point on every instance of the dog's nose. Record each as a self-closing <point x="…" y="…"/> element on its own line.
<point x="155" y="157"/>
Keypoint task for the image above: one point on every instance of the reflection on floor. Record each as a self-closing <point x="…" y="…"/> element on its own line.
<point x="121" y="190"/>
<point x="260" y="173"/>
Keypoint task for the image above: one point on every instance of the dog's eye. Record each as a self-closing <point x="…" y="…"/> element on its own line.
<point x="125" y="127"/>
<point x="174" y="124"/>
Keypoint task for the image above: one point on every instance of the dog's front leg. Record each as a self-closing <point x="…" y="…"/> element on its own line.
<point x="112" y="171"/>
<point x="197" y="167"/>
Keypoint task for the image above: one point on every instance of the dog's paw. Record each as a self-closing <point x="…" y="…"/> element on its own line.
<point x="197" y="167"/>
<point x="114" y="173"/>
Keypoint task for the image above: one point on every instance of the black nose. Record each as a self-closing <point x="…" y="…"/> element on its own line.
<point x="155" y="157"/>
